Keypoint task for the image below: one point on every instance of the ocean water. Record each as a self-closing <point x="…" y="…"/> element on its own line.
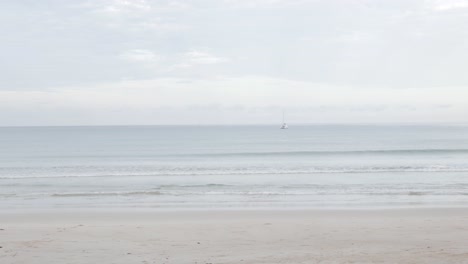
<point x="172" y="167"/>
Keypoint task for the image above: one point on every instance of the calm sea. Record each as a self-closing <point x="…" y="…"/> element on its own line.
<point x="233" y="166"/>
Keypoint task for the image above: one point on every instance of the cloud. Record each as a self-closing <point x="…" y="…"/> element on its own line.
<point x="249" y="91"/>
<point x="261" y="3"/>
<point x="329" y="56"/>
<point x="139" y="55"/>
<point x="158" y="24"/>
<point x="200" y="57"/>
<point x="447" y="5"/>
<point x="185" y="63"/>
<point x="137" y="17"/>
<point x="227" y="100"/>
<point x="118" y="6"/>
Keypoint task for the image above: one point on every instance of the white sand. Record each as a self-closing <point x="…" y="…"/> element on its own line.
<point x="314" y="236"/>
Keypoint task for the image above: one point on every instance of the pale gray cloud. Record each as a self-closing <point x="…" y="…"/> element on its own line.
<point x="117" y="7"/>
<point x="346" y="60"/>
<point x="446" y="5"/>
<point x="200" y="57"/>
<point x="139" y="55"/>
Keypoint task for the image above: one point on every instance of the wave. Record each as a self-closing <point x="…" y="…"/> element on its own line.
<point x="260" y="193"/>
<point x="84" y="194"/>
<point x="335" y="152"/>
<point x="254" y="171"/>
<point x="426" y="151"/>
<point x="255" y="191"/>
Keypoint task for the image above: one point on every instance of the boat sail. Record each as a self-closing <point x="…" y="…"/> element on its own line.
<point x="284" y="126"/>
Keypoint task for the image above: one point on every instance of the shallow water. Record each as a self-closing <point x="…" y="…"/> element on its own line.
<point x="234" y="166"/>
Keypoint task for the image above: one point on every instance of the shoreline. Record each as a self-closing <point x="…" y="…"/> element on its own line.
<point x="253" y="209"/>
<point x="411" y="235"/>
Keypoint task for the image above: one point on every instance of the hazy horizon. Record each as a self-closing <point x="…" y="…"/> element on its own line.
<point x="231" y="62"/>
<point x="291" y="125"/>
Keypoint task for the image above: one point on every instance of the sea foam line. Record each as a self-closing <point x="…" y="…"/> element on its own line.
<point x="227" y="172"/>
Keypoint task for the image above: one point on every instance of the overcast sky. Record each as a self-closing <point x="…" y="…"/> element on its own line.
<point x="110" y="62"/>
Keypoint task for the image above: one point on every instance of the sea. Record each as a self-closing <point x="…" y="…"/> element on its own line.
<point x="234" y="167"/>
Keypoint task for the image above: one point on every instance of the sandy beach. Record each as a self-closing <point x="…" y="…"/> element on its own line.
<point x="269" y="236"/>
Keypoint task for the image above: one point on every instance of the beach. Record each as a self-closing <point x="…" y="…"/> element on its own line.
<point x="234" y="132"/>
<point x="238" y="194"/>
<point x="235" y="236"/>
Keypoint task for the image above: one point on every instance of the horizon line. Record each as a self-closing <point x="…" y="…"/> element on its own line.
<point x="244" y="124"/>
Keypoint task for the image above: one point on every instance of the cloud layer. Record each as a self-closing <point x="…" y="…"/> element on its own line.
<point x="230" y="61"/>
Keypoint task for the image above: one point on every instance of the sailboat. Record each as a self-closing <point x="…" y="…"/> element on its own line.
<point x="284" y="126"/>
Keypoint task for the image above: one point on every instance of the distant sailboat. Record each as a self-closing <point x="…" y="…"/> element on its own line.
<point x="284" y="126"/>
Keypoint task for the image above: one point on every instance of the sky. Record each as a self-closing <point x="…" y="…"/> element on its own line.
<point x="151" y="62"/>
